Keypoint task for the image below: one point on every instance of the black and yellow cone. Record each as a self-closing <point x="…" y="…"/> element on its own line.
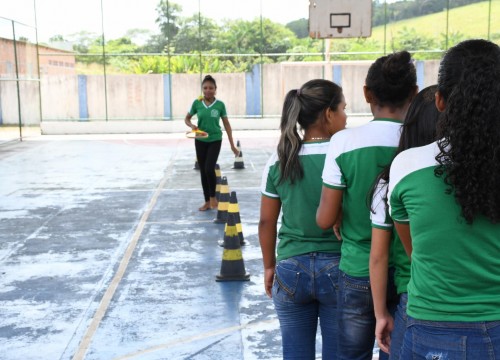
<point x="218" y="178"/>
<point x="223" y="205"/>
<point x="232" y="267"/>
<point x="234" y="208"/>
<point x="196" y="165"/>
<point x="238" y="161"/>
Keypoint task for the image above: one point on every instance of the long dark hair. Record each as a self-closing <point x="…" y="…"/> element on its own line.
<point x="419" y="129"/>
<point x="469" y="132"/>
<point x="303" y="107"/>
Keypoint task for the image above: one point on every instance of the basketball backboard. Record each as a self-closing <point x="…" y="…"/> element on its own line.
<point x="340" y="18"/>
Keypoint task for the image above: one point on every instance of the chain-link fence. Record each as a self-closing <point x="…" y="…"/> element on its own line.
<point x="103" y="62"/>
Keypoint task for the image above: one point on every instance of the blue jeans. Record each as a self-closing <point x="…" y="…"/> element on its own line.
<point x="451" y="340"/>
<point x="397" y="335"/>
<point x="357" y="317"/>
<point x="305" y="289"/>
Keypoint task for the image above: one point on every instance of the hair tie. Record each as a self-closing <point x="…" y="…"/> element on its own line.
<point x="298" y="92"/>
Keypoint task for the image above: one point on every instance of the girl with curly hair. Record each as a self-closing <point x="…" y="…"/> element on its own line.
<point x="445" y="203"/>
<point x="354" y="159"/>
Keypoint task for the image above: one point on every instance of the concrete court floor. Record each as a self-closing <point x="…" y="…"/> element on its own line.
<point x="104" y="255"/>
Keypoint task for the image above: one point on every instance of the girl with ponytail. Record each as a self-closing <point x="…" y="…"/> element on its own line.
<point x="302" y="277"/>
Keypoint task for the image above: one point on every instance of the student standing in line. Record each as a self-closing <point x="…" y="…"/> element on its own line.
<point x="355" y="157"/>
<point x="419" y="128"/>
<point x="209" y="111"/>
<point x="445" y="203"/>
<point x="302" y="279"/>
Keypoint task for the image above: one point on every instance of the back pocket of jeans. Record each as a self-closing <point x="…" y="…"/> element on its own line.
<point x="286" y="277"/>
<point x="357" y="295"/>
<point x="436" y="345"/>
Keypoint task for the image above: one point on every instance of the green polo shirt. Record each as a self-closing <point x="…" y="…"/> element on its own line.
<point x="455" y="266"/>
<point x="354" y="159"/>
<point x="209" y="118"/>
<point x="381" y="220"/>
<point x="299" y="233"/>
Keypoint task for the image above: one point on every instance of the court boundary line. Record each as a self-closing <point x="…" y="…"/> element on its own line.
<point x="113" y="286"/>
<point x="192" y="338"/>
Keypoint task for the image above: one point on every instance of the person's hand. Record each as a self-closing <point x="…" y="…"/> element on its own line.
<point x="235" y="150"/>
<point x="336" y="227"/>
<point x="194" y="127"/>
<point x="268" y="281"/>
<point x="383" y="330"/>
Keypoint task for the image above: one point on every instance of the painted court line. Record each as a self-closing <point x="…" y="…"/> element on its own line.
<point x="190" y="339"/>
<point x="108" y="296"/>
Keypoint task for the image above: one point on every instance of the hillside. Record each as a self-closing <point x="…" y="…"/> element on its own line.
<point x="470" y="20"/>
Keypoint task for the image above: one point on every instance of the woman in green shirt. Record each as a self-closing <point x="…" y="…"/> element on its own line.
<point x="445" y="203"/>
<point x="302" y="279"/>
<point x="209" y="111"/>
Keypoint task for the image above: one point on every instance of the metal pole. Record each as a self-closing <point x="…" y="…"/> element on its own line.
<point x="104" y="63"/>
<point x="447" y="22"/>
<point x="489" y="20"/>
<point x="385" y="27"/>
<point x="199" y="40"/>
<point x="169" y="60"/>
<point x="261" y="63"/>
<point x="17" y="81"/>
<point x="38" y="66"/>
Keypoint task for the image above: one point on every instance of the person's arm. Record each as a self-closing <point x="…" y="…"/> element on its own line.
<point x="269" y="213"/>
<point x="405" y="236"/>
<point x="379" y="267"/>
<point x="330" y="207"/>
<point x="229" y="132"/>
<point x="187" y="121"/>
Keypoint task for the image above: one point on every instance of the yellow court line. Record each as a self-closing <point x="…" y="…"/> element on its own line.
<point x="195" y="338"/>
<point x="108" y="295"/>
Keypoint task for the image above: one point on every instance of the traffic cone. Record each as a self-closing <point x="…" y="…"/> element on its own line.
<point x="223" y="205"/>
<point x="238" y="161"/>
<point x="196" y="165"/>
<point x="218" y="175"/>
<point x="235" y="209"/>
<point x="232" y="267"/>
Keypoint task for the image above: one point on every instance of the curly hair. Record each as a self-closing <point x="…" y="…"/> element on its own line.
<point x="392" y="79"/>
<point x="469" y="130"/>
<point x="303" y="107"/>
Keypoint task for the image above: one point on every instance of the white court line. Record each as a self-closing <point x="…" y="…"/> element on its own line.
<point x="108" y="295"/>
<point x="196" y="337"/>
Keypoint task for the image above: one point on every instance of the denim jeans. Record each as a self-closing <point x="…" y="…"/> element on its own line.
<point x="357" y="317"/>
<point x="435" y="340"/>
<point x="397" y="335"/>
<point x="305" y="289"/>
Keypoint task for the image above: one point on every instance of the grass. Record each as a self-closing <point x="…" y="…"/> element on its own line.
<point x="470" y="21"/>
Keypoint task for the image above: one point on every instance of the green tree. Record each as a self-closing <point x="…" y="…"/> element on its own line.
<point x="197" y="33"/>
<point x="299" y="27"/>
<point x="410" y="40"/>
<point x="168" y="18"/>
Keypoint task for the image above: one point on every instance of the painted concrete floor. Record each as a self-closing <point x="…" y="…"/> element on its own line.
<point x="104" y="255"/>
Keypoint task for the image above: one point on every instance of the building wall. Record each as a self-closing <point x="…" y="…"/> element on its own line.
<point x="54" y="62"/>
<point x="162" y="97"/>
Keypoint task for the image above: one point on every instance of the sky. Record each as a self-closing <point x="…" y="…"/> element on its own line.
<point x="66" y="17"/>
